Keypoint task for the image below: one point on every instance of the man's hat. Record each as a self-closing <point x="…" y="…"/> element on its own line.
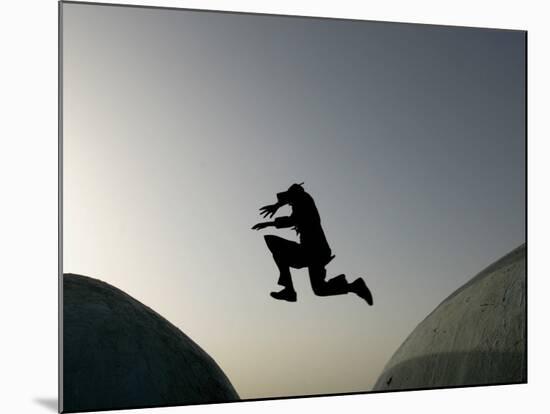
<point x="295" y="188"/>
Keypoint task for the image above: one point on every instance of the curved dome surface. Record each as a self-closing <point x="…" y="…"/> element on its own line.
<point x="118" y="353"/>
<point x="475" y="336"/>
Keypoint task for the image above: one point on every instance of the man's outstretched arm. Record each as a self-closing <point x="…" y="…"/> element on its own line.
<point x="263" y="225"/>
<point x="283" y="222"/>
<point x="279" y="222"/>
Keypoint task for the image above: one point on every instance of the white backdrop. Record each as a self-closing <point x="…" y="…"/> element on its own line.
<point x="28" y="227"/>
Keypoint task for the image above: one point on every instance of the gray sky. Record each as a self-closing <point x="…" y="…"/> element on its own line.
<point x="179" y="125"/>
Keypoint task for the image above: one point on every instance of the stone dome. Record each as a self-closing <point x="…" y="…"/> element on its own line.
<point x="118" y="353"/>
<point x="475" y="336"/>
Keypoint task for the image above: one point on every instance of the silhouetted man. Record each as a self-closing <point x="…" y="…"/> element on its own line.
<point x="312" y="252"/>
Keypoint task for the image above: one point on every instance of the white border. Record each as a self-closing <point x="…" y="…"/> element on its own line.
<point x="464" y="13"/>
<point x="29" y="204"/>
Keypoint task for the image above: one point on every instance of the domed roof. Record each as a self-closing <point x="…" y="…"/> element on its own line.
<point x="118" y="353"/>
<point x="475" y="336"/>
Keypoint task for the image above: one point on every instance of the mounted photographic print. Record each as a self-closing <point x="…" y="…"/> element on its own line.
<point x="264" y="206"/>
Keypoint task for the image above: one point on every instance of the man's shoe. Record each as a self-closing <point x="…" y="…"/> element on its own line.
<point x="359" y="287"/>
<point x="285" y="294"/>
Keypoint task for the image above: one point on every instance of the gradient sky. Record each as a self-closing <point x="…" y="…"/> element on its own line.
<point x="179" y="125"/>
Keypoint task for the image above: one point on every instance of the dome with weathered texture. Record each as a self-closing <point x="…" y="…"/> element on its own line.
<point x="118" y="353"/>
<point x="475" y="336"/>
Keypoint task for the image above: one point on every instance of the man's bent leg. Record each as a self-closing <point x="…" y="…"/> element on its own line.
<point x="337" y="285"/>
<point x="284" y="252"/>
<point x="285" y="279"/>
<point x="321" y="287"/>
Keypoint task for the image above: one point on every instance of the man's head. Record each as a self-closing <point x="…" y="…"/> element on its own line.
<point x="294" y="192"/>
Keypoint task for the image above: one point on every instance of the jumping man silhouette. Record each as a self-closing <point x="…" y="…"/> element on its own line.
<point x="312" y="252"/>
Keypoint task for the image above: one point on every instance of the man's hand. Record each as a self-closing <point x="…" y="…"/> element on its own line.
<point x="260" y="226"/>
<point x="270" y="210"/>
